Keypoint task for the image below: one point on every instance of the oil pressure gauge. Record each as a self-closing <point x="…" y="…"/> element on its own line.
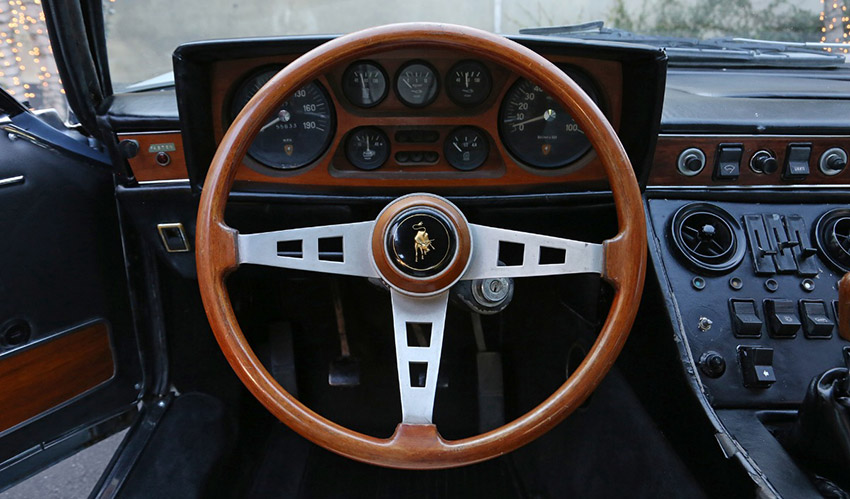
<point x="367" y="148"/>
<point x="417" y="84"/>
<point x="466" y="148"/>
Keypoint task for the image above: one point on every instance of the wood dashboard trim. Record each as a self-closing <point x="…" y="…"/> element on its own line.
<point x="664" y="172"/>
<point x="144" y="165"/>
<point x="40" y="377"/>
<point x="442" y="114"/>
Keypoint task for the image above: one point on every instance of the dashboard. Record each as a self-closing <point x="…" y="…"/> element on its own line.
<point x="408" y="118"/>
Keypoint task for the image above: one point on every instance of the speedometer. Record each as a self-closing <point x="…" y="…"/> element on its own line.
<point x="537" y="130"/>
<point x="298" y="132"/>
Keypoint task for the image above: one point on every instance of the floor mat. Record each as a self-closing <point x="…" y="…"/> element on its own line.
<point x="327" y="475"/>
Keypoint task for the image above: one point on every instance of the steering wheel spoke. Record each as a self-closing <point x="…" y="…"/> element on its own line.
<point x="536" y="255"/>
<point x="301" y="249"/>
<point x="418" y="323"/>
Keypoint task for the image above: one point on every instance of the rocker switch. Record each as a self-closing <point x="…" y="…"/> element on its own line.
<point x="757" y="366"/>
<point x="728" y="164"/>
<point x="797" y="161"/>
<point x="782" y="318"/>
<point x="745" y="319"/>
<point x="816" y="322"/>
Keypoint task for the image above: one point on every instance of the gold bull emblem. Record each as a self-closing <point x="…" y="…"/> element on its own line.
<point x="421" y="242"/>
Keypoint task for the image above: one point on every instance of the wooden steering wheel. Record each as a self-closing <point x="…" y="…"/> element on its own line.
<point x="420" y="245"/>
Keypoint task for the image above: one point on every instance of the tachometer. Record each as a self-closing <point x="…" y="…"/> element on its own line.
<point x="537" y="130"/>
<point x="298" y="132"/>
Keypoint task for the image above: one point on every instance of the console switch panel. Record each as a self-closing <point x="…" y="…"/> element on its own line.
<point x="757" y="366"/>
<point x="728" y="163"/>
<point x="816" y="321"/>
<point x="782" y="318"/>
<point x="745" y="319"/>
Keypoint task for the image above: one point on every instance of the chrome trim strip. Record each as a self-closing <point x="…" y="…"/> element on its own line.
<point x="12" y="180"/>
<point x="745" y="187"/>
<point x="164" y="182"/>
<point x="747" y="136"/>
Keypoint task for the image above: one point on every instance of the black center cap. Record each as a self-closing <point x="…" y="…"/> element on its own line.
<point x="421" y="242"/>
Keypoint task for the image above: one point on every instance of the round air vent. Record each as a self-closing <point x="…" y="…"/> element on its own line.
<point x="707" y="237"/>
<point x="832" y="235"/>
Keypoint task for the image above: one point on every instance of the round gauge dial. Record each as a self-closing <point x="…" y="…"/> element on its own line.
<point x="417" y="84"/>
<point x="537" y="130"/>
<point x="365" y="84"/>
<point x="468" y="83"/>
<point x="466" y="148"/>
<point x="298" y="132"/>
<point x="367" y="148"/>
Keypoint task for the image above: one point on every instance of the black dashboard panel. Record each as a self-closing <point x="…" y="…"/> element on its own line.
<point x="757" y="101"/>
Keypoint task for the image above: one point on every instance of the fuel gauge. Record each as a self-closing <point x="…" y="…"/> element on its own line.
<point x="367" y="148"/>
<point x="466" y="148"/>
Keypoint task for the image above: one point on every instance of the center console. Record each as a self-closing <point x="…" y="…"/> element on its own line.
<point x="749" y="237"/>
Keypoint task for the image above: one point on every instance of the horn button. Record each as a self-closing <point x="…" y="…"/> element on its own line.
<point x="421" y="242"/>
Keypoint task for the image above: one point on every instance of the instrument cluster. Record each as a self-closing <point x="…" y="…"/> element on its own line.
<point x="508" y="116"/>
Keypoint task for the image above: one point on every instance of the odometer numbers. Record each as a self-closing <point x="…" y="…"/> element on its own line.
<point x="297" y="133"/>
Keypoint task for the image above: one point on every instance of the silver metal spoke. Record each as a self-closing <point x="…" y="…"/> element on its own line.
<point x="541" y="255"/>
<point x="300" y="249"/>
<point x="418" y="324"/>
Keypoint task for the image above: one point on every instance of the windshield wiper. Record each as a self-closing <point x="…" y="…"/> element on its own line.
<point x="714" y="52"/>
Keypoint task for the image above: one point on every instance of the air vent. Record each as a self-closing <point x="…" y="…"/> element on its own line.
<point x="832" y="235"/>
<point x="707" y="237"/>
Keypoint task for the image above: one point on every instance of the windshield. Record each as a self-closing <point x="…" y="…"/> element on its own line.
<point x="142" y="35"/>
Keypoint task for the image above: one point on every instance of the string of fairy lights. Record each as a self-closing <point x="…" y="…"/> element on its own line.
<point x="27" y="68"/>
<point x="836" y="24"/>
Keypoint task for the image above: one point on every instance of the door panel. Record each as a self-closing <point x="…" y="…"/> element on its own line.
<point x="68" y="351"/>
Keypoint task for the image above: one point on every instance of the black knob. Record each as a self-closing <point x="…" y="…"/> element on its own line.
<point x="129" y="148"/>
<point x="693" y="163"/>
<point x="836" y="162"/>
<point x="712" y="364"/>
<point x="833" y="161"/>
<point x="764" y="162"/>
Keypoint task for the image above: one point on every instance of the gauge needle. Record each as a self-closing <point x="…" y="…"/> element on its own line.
<point x="367" y="144"/>
<point x="407" y="82"/>
<point x="270" y="123"/>
<point x="457" y="147"/>
<point x="548" y="115"/>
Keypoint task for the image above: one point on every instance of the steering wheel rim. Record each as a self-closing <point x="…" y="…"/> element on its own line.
<point x="419" y="446"/>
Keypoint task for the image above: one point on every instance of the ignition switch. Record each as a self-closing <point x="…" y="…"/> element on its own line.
<point x="485" y="296"/>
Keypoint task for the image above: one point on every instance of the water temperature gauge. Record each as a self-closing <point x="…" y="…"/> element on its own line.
<point x="367" y="148"/>
<point x="466" y="148"/>
<point x="468" y="83"/>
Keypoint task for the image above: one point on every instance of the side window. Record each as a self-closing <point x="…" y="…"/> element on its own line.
<point x="27" y="67"/>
